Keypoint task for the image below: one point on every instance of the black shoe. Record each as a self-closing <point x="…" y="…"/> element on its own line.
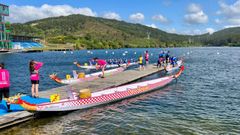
<point x="9" y="110"/>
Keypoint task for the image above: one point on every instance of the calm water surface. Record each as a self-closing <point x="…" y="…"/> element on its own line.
<point x="205" y="99"/>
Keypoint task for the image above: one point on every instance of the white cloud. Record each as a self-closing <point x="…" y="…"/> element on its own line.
<point x="230" y="13"/>
<point x="112" y="15"/>
<point x="29" y="13"/>
<point x="194" y="8"/>
<point x="195" y="15"/>
<point x="171" y="30"/>
<point x="152" y="25"/>
<point x="198" y="31"/>
<point x="137" y="17"/>
<point x="160" y="18"/>
<point x="218" y="21"/>
<point x="231" y="26"/>
<point x="210" y="30"/>
<point x="235" y="21"/>
<point x="167" y="3"/>
<point x="230" y="10"/>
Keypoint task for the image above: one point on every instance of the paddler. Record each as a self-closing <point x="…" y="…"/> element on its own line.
<point x="167" y="56"/>
<point x="101" y="64"/>
<point x="4" y="84"/>
<point x="34" y="67"/>
<point x="146" y="57"/>
<point x="140" y="62"/>
<point x="173" y="60"/>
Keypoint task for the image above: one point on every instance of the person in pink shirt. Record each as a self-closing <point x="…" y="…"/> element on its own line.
<point x="34" y="67"/>
<point x="101" y="64"/>
<point x="147" y="57"/>
<point x="4" y="84"/>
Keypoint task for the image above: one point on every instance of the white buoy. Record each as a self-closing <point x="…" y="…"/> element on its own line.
<point x="106" y="51"/>
<point x="123" y="54"/>
<point x="71" y="52"/>
<point x="91" y="52"/>
<point x="151" y="54"/>
<point x="188" y="53"/>
<point x="218" y="53"/>
<point x="135" y="52"/>
<point x="64" y="51"/>
<point x="126" y="52"/>
<point x="113" y="53"/>
<point x="88" y="51"/>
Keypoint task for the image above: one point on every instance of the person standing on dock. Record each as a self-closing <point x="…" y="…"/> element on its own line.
<point x="167" y="56"/>
<point x="34" y="67"/>
<point x="147" y="57"/>
<point x="4" y="84"/>
<point x="101" y="64"/>
<point x="140" y="62"/>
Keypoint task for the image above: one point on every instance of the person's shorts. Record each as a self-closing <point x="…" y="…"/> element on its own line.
<point x="140" y="64"/>
<point x="146" y="60"/>
<point x="35" y="81"/>
<point x="5" y="92"/>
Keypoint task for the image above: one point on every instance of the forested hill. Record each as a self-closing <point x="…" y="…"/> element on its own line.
<point x="93" y="32"/>
<point x="225" y="37"/>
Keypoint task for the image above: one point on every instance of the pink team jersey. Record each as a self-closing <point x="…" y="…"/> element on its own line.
<point x="146" y="56"/>
<point x="35" y="76"/>
<point x="101" y="62"/>
<point x="4" y="78"/>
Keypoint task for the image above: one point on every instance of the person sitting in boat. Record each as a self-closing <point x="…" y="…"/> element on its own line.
<point x="140" y="62"/>
<point x="100" y="64"/>
<point x="91" y="62"/>
<point x="173" y="61"/>
<point x="4" y="84"/>
<point x="161" y="55"/>
<point x="111" y="61"/>
<point x="125" y="61"/>
<point x="119" y="62"/>
<point x="128" y="62"/>
<point x="108" y="62"/>
<point x="34" y="67"/>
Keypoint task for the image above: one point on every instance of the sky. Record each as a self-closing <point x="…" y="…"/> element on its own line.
<point x="174" y="16"/>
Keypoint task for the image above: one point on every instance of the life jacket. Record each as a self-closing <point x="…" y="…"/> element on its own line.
<point x="140" y="60"/>
<point x="4" y="78"/>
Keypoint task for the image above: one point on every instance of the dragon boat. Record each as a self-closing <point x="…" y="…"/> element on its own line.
<point x="85" y="66"/>
<point x="87" y="77"/>
<point x="170" y="68"/>
<point x="101" y="97"/>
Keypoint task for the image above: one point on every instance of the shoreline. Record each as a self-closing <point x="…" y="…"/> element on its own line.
<point x="68" y="49"/>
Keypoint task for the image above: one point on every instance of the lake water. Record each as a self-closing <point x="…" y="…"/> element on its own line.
<point x="205" y="99"/>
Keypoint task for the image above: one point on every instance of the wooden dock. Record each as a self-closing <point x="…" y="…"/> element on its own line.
<point x="96" y="85"/>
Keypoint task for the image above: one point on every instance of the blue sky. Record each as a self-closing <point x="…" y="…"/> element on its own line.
<point x="175" y="16"/>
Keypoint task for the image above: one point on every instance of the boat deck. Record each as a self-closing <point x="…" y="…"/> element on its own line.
<point x="125" y="77"/>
